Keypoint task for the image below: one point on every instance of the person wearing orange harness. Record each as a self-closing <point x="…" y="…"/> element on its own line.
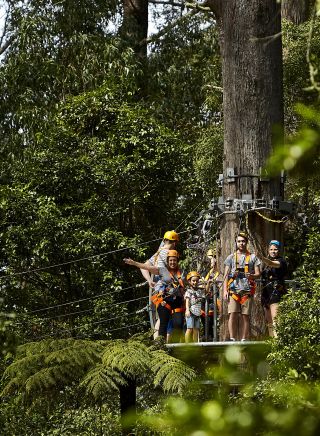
<point x="241" y="268"/>
<point x="170" y="291"/>
<point x="159" y="259"/>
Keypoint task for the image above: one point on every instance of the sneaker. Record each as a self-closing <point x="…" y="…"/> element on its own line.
<point x="244" y="340"/>
<point x="232" y="340"/>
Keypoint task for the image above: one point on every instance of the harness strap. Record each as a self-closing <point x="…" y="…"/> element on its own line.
<point x="237" y="297"/>
<point x="241" y="299"/>
<point x="178" y="310"/>
<point x="158" y="299"/>
<point x="210" y="273"/>
<point x="203" y="313"/>
<point x="176" y="277"/>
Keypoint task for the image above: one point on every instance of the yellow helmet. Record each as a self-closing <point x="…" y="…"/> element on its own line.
<point x="243" y="235"/>
<point x="173" y="253"/>
<point x="211" y="252"/>
<point x="193" y="274"/>
<point x="171" y="235"/>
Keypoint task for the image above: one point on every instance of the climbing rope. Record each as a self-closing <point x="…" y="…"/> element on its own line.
<point x="283" y="220"/>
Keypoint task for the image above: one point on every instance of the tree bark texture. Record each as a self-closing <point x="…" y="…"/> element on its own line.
<point x="296" y="11"/>
<point x="135" y="25"/>
<point x="253" y="106"/>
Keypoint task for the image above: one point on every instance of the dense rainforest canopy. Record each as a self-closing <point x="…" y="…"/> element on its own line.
<point x="107" y="140"/>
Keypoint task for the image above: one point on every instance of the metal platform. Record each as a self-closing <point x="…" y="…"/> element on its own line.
<point x="221" y="346"/>
<point x="244" y="355"/>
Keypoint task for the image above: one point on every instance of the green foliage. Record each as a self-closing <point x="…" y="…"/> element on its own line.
<point x="296" y="351"/>
<point x="67" y="418"/>
<point x="64" y="204"/>
<point x="45" y="368"/>
<point x="208" y="159"/>
<point x="7" y="338"/>
<point x="170" y="373"/>
<point x="300" y="154"/>
<point x="129" y="357"/>
<point x="296" y="73"/>
<point x="187" y="53"/>
<point x="99" y="381"/>
<point x="266" y="407"/>
<point x="241" y="417"/>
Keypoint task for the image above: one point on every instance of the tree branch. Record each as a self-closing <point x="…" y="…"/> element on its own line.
<point x="196" y="8"/>
<point x="167" y="28"/>
<point x="199" y="6"/>
<point x="169" y="2"/>
<point x="313" y="71"/>
<point x="215" y="6"/>
<point x="6" y="44"/>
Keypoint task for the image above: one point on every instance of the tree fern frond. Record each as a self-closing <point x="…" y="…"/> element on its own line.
<point x="24" y="367"/>
<point x="130" y="357"/>
<point x="146" y="337"/>
<point x="44" y="346"/>
<point x="171" y="373"/>
<point x="78" y="354"/>
<point x="11" y="387"/>
<point x="101" y="380"/>
<point x="48" y="378"/>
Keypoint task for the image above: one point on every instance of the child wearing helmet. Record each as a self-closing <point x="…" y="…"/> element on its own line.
<point x="193" y="298"/>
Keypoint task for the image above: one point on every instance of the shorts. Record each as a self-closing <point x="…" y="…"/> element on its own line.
<point x="170" y="327"/>
<point x="271" y="295"/>
<point x="235" y="307"/>
<point x="193" y="322"/>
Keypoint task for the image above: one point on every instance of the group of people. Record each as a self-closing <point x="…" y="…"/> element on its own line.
<point x="180" y="302"/>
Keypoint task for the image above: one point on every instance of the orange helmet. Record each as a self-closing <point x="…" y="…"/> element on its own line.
<point x="171" y="235"/>
<point x="193" y="274"/>
<point x="173" y="253"/>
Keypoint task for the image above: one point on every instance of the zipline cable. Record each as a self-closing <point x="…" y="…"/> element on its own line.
<point x="88" y="325"/>
<point x="136" y="312"/>
<point x="82" y="299"/>
<point x="88" y="310"/>
<point x="202" y="202"/>
<point x="85" y="258"/>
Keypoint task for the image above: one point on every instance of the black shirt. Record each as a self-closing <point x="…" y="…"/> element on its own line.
<point x="276" y="274"/>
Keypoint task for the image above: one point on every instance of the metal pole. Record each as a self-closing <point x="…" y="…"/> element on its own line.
<point x="206" y="319"/>
<point x="151" y="310"/>
<point x="215" y="315"/>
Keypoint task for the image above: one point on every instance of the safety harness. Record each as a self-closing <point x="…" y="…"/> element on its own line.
<point x="241" y="296"/>
<point x="161" y="296"/>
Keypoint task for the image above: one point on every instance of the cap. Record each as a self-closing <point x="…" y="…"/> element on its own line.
<point x="274" y="242"/>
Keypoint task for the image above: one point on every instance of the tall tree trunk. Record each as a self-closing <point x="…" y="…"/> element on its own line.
<point x="253" y="105"/>
<point x="128" y="402"/>
<point x="296" y="11"/>
<point x="135" y="25"/>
